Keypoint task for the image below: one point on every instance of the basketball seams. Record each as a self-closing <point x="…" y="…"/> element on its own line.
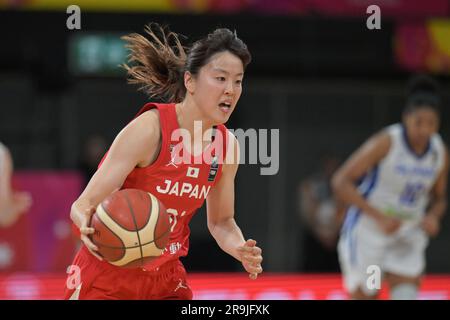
<point x="112" y="224"/>
<point x="162" y="236"/>
<point x="108" y="216"/>
<point x="151" y="209"/>
<point x="147" y="232"/>
<point x="132" y="247"/>
<point x="99" y="216"/>
<point x="139" y="245"/>
<point x="119" y="222"/>
<point x="136" y="227"/>
<point x="156" y="224"/>
<point x="165" y="232"/>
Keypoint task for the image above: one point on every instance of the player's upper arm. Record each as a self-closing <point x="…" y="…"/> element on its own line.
<point x="134" y="145"/>
<point x="440" y="187"/>
<point x="220" y="200"/>
<point x="364" y="158"/>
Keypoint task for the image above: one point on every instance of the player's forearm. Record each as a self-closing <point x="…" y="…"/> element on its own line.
<point x="348" y="194"/>
<point x="228" y="236"/>
<point x="78" y="209"/>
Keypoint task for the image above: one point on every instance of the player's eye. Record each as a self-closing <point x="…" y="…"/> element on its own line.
<point x="221" y="78"/>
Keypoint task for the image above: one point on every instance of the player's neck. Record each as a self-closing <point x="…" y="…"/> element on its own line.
<point x="418" y="148"/>
<point x="189" y="117"/>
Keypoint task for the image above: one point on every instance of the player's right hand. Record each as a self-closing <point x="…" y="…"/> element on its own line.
<point x="251" y="258"/>
<point x="85" y="231"/>
<point x="389" y="225"/>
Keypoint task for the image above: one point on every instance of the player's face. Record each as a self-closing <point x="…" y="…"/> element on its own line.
<point x="218" y="86"/>
<point x="421" y="124"/>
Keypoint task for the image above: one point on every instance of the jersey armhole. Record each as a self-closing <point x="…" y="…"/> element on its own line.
<point x="162" y="128"/>
<point x="392" y="141"/>
<point x="163" y="123"/>
<point x="441" y="149"/>
<point x="224" y="131"/>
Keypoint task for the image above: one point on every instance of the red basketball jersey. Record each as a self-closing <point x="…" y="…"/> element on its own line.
<point x="182" y="186"/>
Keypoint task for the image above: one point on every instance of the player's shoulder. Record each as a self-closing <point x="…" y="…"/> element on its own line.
<point x="3" y="150"/>
<point x="146" y="125"/>
<point x="230" y="135"/>
<point x="149" y="117"/>
<point x="391" y="132"/>
<point x="232" y="142"/>
<point x="140" y="136"/>
<point x="231" y="161"/>
<point x="393" y="129"/>
<point x="439" y="143"/>
<point x="382" y="139"/>
<point x="441" y="148"/>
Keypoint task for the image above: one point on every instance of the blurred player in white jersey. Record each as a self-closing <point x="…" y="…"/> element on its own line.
<point x="12" y="203"/>
<point x="395" y="186"/>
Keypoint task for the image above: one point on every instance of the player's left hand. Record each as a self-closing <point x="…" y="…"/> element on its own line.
<point x="431" y="225"/>
<point x="251" y="258"/>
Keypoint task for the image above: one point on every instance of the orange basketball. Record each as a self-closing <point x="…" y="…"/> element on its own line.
<point x="132" y="228"/>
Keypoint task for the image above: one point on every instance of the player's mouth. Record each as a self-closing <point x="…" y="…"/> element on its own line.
<point x="225" y="107"/>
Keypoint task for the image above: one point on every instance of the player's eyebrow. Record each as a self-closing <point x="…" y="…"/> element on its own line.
<point x="226" y="72"/>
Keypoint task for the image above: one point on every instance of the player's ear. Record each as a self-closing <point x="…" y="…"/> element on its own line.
<point x="189" y="82"/>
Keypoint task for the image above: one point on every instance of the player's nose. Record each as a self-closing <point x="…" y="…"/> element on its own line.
<point x="229" y="89"/>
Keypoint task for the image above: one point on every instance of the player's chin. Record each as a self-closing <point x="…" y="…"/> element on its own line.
<point x="220" y="117"/>
<point x="225" y="113"/>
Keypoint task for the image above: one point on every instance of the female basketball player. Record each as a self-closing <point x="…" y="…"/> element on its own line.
<point x="203" y="85"/>
<point x="12" y="203"/>
<point x="399" y="202"/>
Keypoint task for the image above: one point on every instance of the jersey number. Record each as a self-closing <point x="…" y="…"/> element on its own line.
<point x="411" y="192"/>
<point x="173" y="217"/>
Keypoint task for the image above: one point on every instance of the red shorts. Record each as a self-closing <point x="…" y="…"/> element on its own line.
<point x="92" y="279"/>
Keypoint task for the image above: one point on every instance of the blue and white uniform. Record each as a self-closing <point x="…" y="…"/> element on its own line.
<point x="399" y="186"/>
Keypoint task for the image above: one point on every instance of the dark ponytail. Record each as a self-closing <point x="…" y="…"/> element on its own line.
<point x="160" y="60"/>
<point x="158" y="63"/>
<point x="423" y="92"/>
